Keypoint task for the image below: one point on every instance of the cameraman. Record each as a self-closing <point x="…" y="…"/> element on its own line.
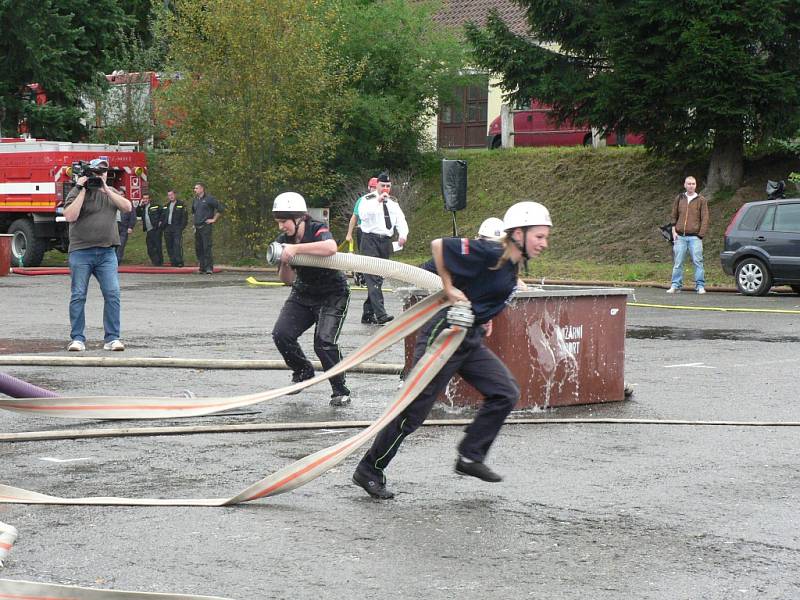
<point x="91" y="211"/>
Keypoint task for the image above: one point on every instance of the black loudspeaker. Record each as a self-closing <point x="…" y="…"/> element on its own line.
<point x="454" y="184"/>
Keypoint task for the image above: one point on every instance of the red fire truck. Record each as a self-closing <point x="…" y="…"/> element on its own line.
<point x="36" y="176"/>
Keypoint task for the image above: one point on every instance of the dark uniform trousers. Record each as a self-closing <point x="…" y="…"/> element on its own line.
<point x="174" y="235"/>
<point x="379" y="246"/>
<point x="152" y="213"/>
<point x="202" y="247"/>
<point x="154" y="241"/>
<point x="300" y="312"/>
<point x="478" y="366"/>
<point x="122" y="228"/>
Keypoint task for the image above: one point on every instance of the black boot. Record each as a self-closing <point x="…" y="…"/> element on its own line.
<point x="476" y="469"/>
<point x="374" y="487"/>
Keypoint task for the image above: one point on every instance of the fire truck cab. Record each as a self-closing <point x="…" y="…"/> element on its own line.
<point x="35" y="178"/>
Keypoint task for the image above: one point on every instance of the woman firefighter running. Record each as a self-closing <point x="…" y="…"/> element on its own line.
<point x="483" y="273"/>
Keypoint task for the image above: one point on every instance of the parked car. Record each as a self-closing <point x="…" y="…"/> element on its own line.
<point x="762" y="246"/>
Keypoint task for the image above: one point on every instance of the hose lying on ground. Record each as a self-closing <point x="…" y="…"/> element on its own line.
<point x="300" y="472"/>
<point x="27" y="360"/>
<point x="29" y="590"/>
<point x="116" y="407"/>
<point x="16" y="388"/>
<point x="120" y="407"/>
<point x="8" y="536"/>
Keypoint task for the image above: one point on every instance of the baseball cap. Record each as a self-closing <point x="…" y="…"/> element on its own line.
<point x="101" y="162"/>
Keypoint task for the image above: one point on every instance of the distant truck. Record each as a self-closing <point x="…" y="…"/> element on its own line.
<point x="533" y="126"/>
<point x="35" y="178"/>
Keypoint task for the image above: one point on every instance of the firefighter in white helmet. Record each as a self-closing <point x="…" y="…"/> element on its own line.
<point x="319" y="296"/>
<point x="482" y="273"/>
<point x="492" y="229"/>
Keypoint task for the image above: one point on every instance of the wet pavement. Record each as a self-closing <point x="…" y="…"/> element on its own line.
<point x="603" y="511"/>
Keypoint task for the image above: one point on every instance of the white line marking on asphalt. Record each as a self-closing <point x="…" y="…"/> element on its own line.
<point x="692" y="365"/>
<point x="63" y="460"/>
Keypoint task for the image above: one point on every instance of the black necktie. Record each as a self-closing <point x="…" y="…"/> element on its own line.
<point x="386" y="218"/>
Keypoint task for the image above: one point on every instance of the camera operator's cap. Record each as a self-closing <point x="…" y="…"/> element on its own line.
<point x="101" y="162"/>
<point x="373" y="182"/>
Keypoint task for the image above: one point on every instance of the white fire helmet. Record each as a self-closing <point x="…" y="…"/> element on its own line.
<point x="492" y="229"/>
<point x="526" y="214"/>
<point x="289" y="202"/>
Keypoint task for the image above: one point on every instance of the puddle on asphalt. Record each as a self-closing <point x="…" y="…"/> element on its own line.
<point x="680" y="333"/>
<point x="211" y="282"/>
<point x="15" y="346"/>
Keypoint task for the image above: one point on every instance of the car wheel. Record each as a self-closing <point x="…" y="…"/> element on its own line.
<point x="497" y="142"/>
<point x="753" y="278"/>
<point x="795" y="288"/>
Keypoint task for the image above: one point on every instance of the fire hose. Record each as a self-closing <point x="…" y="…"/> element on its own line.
<point x="120" y="407"/>
<point x="29" y="590"/>
<point x="303" y="470"/>
<point x="286" y="479"/>
<point x="8" y="536"/>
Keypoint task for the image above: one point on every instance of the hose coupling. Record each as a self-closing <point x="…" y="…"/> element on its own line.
<point x="461" y="314"/>
<point x="274" y="252"/>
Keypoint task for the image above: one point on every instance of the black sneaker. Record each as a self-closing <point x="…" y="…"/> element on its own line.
<point x="298" y="377"/>
<point x="368" y="320"/>
<point x="373" y="487"/>
<point x="340" y="397"/>
<point x="384" y="319"/>
<point x="477" y="469"/>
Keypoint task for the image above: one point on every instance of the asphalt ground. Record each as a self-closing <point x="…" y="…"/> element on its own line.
<point x="585" y="510"/>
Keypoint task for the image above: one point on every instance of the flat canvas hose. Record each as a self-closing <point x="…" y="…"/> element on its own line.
<point x="8" y="535"/>
<point x="29" y="590"/>
<point x="284" y="480"/>
<point x="300" y="472"/>
<point x="121" y="407"/>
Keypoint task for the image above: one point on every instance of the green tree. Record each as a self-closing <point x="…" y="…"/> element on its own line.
<point x="693" y="76"/>
<point x="405" y="62"/>
<point x="256" y="110"/>
<point x="63" y="45"/>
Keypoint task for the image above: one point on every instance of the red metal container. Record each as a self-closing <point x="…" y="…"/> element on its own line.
<point x="5" y="253"/>
<point x="564" y="345"/>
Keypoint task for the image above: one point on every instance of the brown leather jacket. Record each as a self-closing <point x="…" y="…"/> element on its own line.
<point x="690" y="218"/>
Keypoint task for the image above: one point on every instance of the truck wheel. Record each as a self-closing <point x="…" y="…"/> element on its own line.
<point x="26" y="249"/>
<point x="753" y="278"/>
<point x="497" y="142"/>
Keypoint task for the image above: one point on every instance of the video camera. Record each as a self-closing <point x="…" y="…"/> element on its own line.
<point x="81" y="169"/>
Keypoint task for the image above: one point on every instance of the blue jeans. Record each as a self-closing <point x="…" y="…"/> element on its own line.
<point x="694" y="245"/>
<point x="102" y="263"/>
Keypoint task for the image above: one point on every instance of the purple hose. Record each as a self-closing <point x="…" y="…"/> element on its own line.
<point x="16" y="388"/>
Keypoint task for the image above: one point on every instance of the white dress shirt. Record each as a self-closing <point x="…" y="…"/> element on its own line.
<point x="370" y="211"/>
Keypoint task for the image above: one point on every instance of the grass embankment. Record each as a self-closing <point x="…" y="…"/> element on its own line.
<point x="606" y="205"/>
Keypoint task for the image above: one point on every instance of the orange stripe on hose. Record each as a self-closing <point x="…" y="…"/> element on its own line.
<point x="289" y="478"/>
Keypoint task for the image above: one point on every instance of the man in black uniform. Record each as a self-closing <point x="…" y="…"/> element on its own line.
<point x="174" y="219"/>
<point x="206" y="210"/>
<point x="154" y="231"/>
<point x="319" y="296"/>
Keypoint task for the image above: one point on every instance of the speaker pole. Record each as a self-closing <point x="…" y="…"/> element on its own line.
<point x="455" y="229"/>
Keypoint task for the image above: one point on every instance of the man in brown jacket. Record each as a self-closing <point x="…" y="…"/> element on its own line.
<point x="690" y="218"/>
